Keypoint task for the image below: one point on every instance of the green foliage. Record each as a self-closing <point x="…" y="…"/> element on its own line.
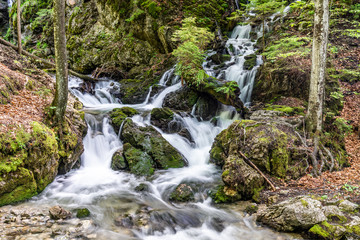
<point x="228" y="88"/>
<point x="349" y="188"/>
<point x="342" y="125"/>
<point x="190" y="53"/>
<point x="153" y="8"/>
<point x="136" y="14"/>
<point x="189" y="32"/>
<point x="286" y="47"/>
<point x="355" y="10"/>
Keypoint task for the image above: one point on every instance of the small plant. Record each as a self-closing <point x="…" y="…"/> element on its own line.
<point x="336" y="95"/>
<point x="342" y="125"/>
<point x="228" y="89"/>
<point x="43" y="92"/>
<point x="190" y="53"/>
<point x="349" y="188"/>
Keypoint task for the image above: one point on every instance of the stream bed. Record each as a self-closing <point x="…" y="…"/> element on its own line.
<point x="112" y="196"/>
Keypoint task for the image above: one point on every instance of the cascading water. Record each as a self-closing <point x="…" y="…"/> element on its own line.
<point x="239" y="46"/>
<point x="109" y="194"/>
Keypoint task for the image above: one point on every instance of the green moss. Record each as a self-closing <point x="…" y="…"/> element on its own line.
<point x="20" y="188"/>
<point x="162" y="113"/>
<point x="256" y="196"/>
<point x="216" y="155"/>
<point x="140" y="163"/>
<point x="304" y="202"/>
<point x="82" y="213"/>
<point x="222" y="195"/>
<point x="319" y="231"/>
<point x="285" y="109"/>
<point x="118" y="115"/>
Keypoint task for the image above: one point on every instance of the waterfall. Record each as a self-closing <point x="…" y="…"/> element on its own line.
<point x="109" y="193"/>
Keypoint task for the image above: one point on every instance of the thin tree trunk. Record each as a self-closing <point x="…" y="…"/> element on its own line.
<point x="263" y="35"/>
<point x="314" y="116"/>
<point x="317" y="80"/>
<point x="61" y="94"/>
<point x="18" y="14"/>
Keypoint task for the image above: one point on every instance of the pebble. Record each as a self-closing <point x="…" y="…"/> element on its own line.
<point x="34" y="223"/>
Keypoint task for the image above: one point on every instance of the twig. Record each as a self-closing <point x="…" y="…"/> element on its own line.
<point x="258" y="170"/>
<point x="47" y="63"/>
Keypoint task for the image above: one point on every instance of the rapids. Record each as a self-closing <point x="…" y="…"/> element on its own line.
<point x="111" y="194"/>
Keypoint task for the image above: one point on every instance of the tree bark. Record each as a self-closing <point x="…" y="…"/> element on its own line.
<point x="61" y="94"/>
<point x="314" y="116"/>
<point x="18" y="17"/>
<point x="317" y="81"/>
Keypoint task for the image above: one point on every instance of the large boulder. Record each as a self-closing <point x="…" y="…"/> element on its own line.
<point x="271" y="145"/>
<point x="28" y="163"/>
<point x="145" y="150"/>
<point x="300" y="213"/>
<point x="118" y="115"/>
<point x="161" y="118"/>
<point x="182" y="100"/>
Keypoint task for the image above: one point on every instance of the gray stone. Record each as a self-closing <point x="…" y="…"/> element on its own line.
<point x="348" y="206"/>
<point x="300" y="213"/>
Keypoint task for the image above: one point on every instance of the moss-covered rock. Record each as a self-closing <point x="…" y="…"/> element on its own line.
<point x="118" y="161"/>
<point x="182" y="193"/>
<point x="183" y="99"/>
<point x="118" y="115"/>
<point x="28" y="162"/>
<point x="286" y="109"/>
<point x="161" y="117"/>
<point x="145" y="149"/>
<point x="269" y="145"/>
<point x="224" y="194"/>
<point x="327" y="231"/>
<point x="250" y="61"/>
<point x="140" y="163"/>
<point x="82" y="213"/>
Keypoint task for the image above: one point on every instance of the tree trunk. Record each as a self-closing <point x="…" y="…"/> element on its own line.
<point x="314" y="116"/>
<point x="61" y="94"/>
<point x="317" y="80"/>
<point x="18" y="17"/>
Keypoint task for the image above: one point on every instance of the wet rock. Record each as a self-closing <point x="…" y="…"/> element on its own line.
<point x="161" y="117"/>
<point x="250" y="61"/>
<point x="142" y="187"/>
<point x="145" y="149"/>
<point x="118" y="161"/>
<point x="58" y="212"/>
<point x="118" y="115"/>
<point x="140" y="162"/>
<point x="219" y="58"/>
<point x="82" y="213"/>
<point x="300" y="213"/>
<point x="183" y="99"/>
<point x="182" y="193"/>
<point x="206" y="107"/>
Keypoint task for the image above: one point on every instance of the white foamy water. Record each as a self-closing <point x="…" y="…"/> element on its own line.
<point x="109" y="194"/>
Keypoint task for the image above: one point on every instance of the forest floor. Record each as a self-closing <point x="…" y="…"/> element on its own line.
<point x="27" y="90"/>
<point x="339" y="184"/>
